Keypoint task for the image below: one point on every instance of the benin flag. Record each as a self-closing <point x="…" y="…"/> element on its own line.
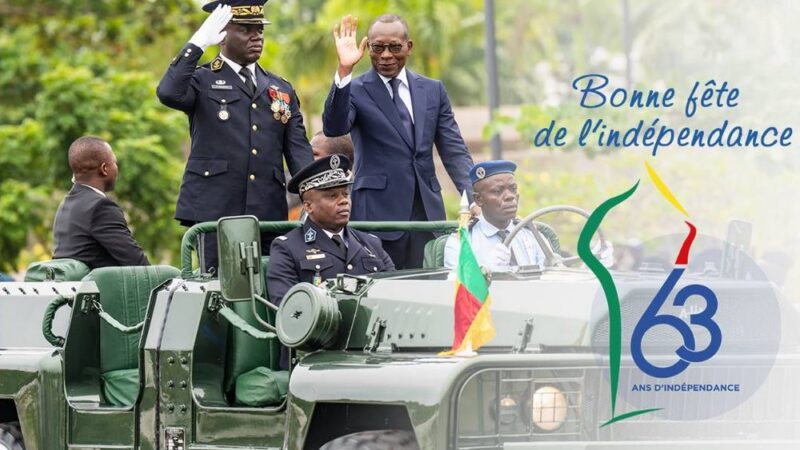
<point x="473" y="322"/>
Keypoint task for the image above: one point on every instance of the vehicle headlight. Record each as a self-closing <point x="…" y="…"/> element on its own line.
<point x="548" y="408"/>
<point x="505" y="411"/>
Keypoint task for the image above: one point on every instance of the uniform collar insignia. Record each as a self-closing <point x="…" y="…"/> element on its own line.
<point x="216" y="64"/>
<point x="311" y="235"/>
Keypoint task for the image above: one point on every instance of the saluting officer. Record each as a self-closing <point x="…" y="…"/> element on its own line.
<point x="243" y="120"/>
<point x="325" y="246"/>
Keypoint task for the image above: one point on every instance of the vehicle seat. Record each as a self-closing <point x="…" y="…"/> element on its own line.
<point x="434" y="250"/>
<point x="63" y="269"/>
<point x="124" y="294"/>
<point x="252" y="369"/>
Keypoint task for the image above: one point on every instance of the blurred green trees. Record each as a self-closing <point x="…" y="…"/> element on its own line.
<point x="75" y="67"/>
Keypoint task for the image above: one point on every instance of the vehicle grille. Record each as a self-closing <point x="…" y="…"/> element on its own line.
<point x="773" y="412"/>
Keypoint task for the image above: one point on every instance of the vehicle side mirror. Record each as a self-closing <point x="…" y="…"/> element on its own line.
<point x="239" y="246"/>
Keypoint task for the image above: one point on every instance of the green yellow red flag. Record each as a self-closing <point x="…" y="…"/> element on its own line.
<point x="473" y="321"/>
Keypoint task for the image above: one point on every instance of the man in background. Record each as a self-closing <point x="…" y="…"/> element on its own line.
<point x="89" y="226"/>
<point x="321" y="146"/>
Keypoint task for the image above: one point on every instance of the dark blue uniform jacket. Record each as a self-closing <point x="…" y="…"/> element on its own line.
<point x="307" y="253"/>
<point x="236" y="161"/>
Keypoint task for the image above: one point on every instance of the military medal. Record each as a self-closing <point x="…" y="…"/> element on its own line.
<point x="280" y="104"/>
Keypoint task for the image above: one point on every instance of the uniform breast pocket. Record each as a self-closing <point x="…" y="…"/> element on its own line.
<point x="206" y="167"/>
<point x="315" y="264"/>
<point x="372" y="264"/>
<point x="223" y="97"/>
<point x="221" y="102"/>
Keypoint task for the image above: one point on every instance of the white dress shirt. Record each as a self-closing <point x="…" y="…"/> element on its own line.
<point x="483" y="238"/>
<point x="236" y="68"/>
<point x="403" y="90"/>
<point x="94" y="189"/>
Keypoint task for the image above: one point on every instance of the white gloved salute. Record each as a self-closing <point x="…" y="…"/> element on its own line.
<point x="211" y="31"/>
<point x="500" y="257"/>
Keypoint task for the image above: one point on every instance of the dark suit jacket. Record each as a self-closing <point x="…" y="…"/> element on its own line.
<point x="233" y="168"/>
<point x="92" y="229"/>
<point x="387" y="165"/>
<point x="307" y="252"/>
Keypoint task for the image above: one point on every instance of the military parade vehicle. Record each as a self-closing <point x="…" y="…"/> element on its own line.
<point x="157" y="358"/>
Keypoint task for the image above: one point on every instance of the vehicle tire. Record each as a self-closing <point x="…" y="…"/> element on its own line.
<point x="11" y="437"/>
<point x="374" y="440"/>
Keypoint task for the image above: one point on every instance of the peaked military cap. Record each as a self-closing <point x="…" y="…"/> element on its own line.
<point x="244" y="11"/>
<point x="486" y="169"/>
<point x="330" y="171"/>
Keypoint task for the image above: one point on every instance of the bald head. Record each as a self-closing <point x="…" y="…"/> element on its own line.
<point x="323" y="146"/>
<point x="93" y="162"/>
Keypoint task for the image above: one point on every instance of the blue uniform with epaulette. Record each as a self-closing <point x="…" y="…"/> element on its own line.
<point x="238" y="145"/>
<point x="310" y="254"/>
<point x="240" y="138"/>
<point x="307" y="254"/>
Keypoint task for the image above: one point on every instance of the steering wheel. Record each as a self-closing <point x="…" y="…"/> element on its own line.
<point x="551" y="258"/>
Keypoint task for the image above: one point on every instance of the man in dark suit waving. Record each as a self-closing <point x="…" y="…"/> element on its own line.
<point x="89" y="226"/>
<point x="395" y="116"/>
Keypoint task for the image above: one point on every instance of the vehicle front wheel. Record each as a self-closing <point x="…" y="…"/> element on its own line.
<point x="374" y="440"/>
<point x="11" y="437"/>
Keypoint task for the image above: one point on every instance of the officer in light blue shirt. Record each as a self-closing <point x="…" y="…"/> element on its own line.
<point x="495" y="191"/>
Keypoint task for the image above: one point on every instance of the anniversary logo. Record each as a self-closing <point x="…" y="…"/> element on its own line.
<point x="667" y="339"/>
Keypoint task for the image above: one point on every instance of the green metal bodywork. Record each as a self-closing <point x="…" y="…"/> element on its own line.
<point x="383" y="368"/>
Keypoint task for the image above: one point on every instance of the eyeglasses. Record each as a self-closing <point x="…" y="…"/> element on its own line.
<point x="380" y="48"/>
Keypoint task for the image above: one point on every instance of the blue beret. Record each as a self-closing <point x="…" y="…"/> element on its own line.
<point x="244" y="11"/>
<point x="488" y="168"/>
<point x="324" y="173"/>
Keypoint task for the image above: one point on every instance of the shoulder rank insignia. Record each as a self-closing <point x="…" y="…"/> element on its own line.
<point x="216" y="64"/>
<point x="281" y="238"/>
<point x="311" y="235"/>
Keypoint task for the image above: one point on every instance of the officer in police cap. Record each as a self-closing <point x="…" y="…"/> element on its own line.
<point x="244" y="122"/>
<point x="495" y="191"/>
<point x="325" y="246"/>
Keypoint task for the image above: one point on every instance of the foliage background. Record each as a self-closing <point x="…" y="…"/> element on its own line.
<point x="74" y="67"/>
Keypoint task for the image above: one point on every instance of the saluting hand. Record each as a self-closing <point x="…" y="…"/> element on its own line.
<point x="344" y="35"/>
<point x="210" y="32"/>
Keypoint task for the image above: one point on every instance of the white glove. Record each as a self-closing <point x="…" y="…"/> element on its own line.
<point x="500" y="257"/>
<point x="606" y="256"/>
<point x="210" y="32"/>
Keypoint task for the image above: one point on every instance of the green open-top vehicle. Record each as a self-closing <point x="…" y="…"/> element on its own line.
<point x="161" y="358"/>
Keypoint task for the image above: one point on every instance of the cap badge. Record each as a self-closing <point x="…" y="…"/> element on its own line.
<point x="335" y="162"/>
<point x="480" y="172"/>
